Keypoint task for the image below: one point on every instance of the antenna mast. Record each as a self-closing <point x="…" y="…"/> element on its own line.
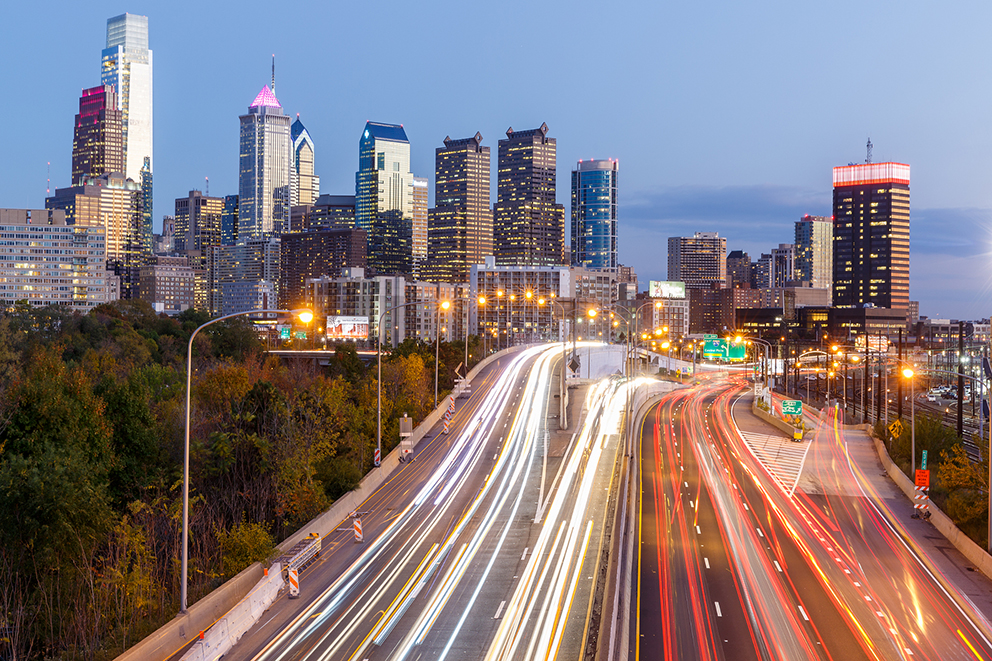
<point x="207" y="186"/>
<point x="48" y="184"/>
<point x="868" y="160"/>
<point x="273" y="73"/>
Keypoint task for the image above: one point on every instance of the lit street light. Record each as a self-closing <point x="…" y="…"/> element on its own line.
<point x="908" y="373"/>
<point x="304" y="316"/>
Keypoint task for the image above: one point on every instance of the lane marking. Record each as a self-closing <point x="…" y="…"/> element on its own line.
<point x="499" y="610"/>
<point x="719" y="613"/>
<point x="803" y="613"/>
<point x="526" y="548"/>
<point x="707" y="561"/>
<point x="698" y="532"/>
<point x="777" y="566"/>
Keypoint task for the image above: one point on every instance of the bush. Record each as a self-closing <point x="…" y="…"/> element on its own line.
<point x="244" y="544"/>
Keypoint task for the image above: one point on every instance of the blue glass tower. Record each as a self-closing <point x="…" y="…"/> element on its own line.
<point x="594" y="214"/>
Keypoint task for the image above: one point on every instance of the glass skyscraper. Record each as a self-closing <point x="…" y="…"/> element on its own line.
<point x="127" y="66"/>
<point x="594" y="214"/>
<point x="384" y="198"/>
<point x="264" y="176"/>
<point x="305" y="184"/>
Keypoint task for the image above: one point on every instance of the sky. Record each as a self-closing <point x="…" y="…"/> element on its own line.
<point x="725" y="116"/>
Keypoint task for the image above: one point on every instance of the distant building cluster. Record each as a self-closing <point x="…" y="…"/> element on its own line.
<point x="381" y="253"/>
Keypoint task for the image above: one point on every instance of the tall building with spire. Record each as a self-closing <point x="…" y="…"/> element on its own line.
<point x="305" y="186"/>
<point x="528" y="225"/>
<point x="127" y="67"/>
<point x="264" y="175"/>
<point x="384" y="198"/>
<point x="460" y="226"/>
<point x="594" y="214"/>
<point x="97" y="136"/>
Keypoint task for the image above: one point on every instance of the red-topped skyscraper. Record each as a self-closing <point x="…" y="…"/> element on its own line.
<point x="97" y="139"/>
<point x="871" y="236"/>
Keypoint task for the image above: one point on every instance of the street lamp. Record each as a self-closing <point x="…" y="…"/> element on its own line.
<point x="303" y="315"/>
<point x="437" y="342"/>
<point x="908" y="373"/>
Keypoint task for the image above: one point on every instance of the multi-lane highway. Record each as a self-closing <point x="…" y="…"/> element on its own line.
<point x="734" y="562"/>
<point x="484" y="547"/>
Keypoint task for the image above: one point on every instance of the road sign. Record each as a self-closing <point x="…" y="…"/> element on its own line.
<point x="896" y="429"/>
<point x="294" y="583"/>
<point x="922" y="478"/>
<point x="924" y="466"/>
<point x="792" y="407"/>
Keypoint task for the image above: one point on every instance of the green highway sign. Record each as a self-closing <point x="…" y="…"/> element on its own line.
<point x="924" y="466"/>
<point x="792" y="407"/>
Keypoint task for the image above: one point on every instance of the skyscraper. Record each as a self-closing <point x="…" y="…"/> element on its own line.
<point x="147" y="217"/>
<point x="594" y="214"/>
<point x="199" y="222"/>
<point x="229" y="221"/>
<point x="871" y="236"/>
<point x="815" y="251"/>
<point x="420" y="203"/>
<point x="305" y="185"/>
<point x="97" y="146"/>
<point x="782" y="265"/>
<point x="739" y="270"/>
<point x="699" y="260"/>
<point x="461" y="222"/>
<point x="264" y="177"/>
<point x="127" y="66"/>
<point x="384" y="198"/>
<point x="528" y="225"/>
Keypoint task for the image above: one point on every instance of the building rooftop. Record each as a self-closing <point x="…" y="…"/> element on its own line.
<point x="266" y="98"/>
<point x="380" y="131"/>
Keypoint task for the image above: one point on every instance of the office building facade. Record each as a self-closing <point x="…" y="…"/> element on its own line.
<point x="315" y="254"/>
<point x="871" y="236"/>
<point x="127" y="67"/>
<point x="199" y="222"/>
<point x="700" y="261"/>
<point x="264" y="174"/>
<point x="528" y="224"/>
<point x="594" y="214"/>
<point x="814" y="252"/>
<point x="97" y="139"/>
<point x="113" y="202"/>
<point x="739" y="269"/>
<point x="168" y="284"/>
<point x="461" y="222"/>
<point x="229" y="221"/>
<point x="384" y="198"/>
<point x="330" y="212"/>
<point x="420" y="203"/>
<point x="71" y="271"/>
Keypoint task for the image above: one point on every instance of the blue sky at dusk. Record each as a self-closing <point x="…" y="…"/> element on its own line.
<point x="725" y="116"/>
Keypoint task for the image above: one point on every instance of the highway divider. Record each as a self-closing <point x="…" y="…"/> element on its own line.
<point x="221" y="637"/>
<point x="212" y="609"/>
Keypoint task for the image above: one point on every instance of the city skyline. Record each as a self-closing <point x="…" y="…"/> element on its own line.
<point x="748" y="169"/>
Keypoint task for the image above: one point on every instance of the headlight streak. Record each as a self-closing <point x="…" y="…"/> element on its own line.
<point x="328" y="603"/>
<point x="545" y="636"/>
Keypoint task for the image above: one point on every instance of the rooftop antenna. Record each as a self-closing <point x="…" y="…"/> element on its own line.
<point x="48" y="184"/>
<point x="208" y="186"/>
<point x="868" y="160"/>
<point x="273" y="73"/>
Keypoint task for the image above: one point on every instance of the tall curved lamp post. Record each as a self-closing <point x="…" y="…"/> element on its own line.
<point x="908" y="373"/>
<point x="304" y="316"/>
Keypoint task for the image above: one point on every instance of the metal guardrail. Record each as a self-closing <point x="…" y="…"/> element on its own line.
<point x="303" y="553"/>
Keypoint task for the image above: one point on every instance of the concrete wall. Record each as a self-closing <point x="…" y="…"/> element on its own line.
<point x="179" y="632"/>
<point x="969" y="549"/>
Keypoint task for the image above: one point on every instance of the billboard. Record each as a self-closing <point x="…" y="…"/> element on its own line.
<point x="874" y="343"/>
<point x="347" y="328"/>
<point x="666" y="289"/>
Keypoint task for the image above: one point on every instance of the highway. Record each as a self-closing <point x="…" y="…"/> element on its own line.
<point x="484" y="547"/>
<point x="735" y="562"/>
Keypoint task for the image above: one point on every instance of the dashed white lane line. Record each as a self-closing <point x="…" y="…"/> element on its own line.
<point x="803" y="613"/>
<point x="777" y="566"/>
<point x="499" y="610"/>
<point x="526" y="548"/>
<point x="719" y="613"/>
<point x="706" y="561"/>
<point x="698" y="531"/>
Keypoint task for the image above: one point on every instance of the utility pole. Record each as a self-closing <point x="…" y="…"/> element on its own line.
<point x="961" y="379"/>
<point x="899" y="381"/>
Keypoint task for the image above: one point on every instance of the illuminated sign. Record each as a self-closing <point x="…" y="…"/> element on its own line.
<point x="719" y="349"/>
<point x="875" y="343"/>
<point x="666" y="289"/>
<point x="347" y="328"/>
<point x="871" y="173"/>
